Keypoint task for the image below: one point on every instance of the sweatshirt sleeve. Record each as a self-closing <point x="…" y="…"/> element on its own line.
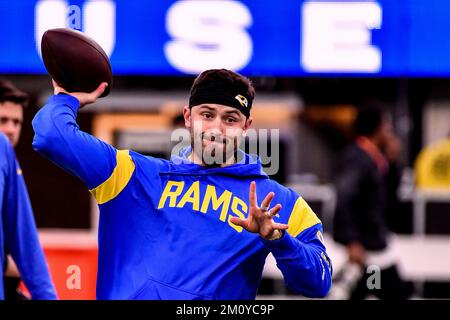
<point x="301" y="254"/>
<point x="21" y="238"/>
<point x="59" y="138"/>
<point x="105" y="170"/>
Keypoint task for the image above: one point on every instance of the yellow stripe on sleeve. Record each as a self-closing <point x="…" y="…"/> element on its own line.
<point x="302" y="217"/>
<point x="118" y="180"/>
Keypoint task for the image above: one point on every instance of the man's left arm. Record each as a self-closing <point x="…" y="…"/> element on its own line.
<point x="303" y="261"/>
<point x="300" y="252"/>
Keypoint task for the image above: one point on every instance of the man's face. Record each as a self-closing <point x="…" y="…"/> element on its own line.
<point x="11" y="118"/>
<point x="216" y="131"/>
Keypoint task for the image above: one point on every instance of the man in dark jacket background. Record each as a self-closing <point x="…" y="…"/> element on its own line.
<point x="360" y="221"/>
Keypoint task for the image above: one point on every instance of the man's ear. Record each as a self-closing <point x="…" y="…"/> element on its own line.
<point x="248" y="123"/>
<point x="187" y="117"/>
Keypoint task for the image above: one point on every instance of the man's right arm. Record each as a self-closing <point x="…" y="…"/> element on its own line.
<point x="59" y="138"/>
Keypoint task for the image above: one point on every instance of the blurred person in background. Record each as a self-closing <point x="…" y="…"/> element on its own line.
<point x="18" y="221"/>
<point x="366" y="180"/>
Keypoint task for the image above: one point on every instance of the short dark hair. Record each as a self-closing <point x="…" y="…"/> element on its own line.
<point x="9" y="92"/>
<point x="226" y="79"/>
<point x="369" y="118"/>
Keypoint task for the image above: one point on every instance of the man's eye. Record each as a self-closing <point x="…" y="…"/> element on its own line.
<point x="3" y="120"/>
<point x="207" y="115"/>
<point x="231" y="120"/>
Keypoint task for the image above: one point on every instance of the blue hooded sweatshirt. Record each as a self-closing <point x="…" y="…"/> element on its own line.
<point x="18" y="234"/>
<point x="165" y="230"/>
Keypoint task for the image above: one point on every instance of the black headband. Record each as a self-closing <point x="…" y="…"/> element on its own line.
<point x="235" y="100"/>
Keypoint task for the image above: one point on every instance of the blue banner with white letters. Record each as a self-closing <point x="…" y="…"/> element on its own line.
<point x="270" y="38"/>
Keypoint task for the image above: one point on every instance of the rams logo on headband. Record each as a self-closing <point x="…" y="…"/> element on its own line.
<point x="242" y="100"/>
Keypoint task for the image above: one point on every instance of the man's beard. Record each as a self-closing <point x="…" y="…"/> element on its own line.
<point x="220" y="151"/>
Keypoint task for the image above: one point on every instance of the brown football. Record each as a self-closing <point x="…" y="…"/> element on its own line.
<point x="75" y="61"/>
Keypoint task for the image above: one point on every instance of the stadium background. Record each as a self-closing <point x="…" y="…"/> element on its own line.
<point x="311" y="62"/>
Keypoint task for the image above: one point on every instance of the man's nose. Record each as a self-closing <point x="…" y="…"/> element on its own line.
<point x="215" y="127"/>
<point x="220" y="126"/>
<point x="9" y="127"/>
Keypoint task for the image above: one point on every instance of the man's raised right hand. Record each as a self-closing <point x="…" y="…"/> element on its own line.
<point x="83" y="97"/>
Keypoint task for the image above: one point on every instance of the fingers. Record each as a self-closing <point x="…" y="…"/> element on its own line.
<point x="252" y="195"/>
<point x="274" y="211"/>
<point x="280" y="226"/>
<point x="99" y="91"/>
<point x="87" y="97"/>
<point x="101" y="88"/>
<point x="265" y="204"/>
<point x="57" y="88"/>
<point x="239" y="222"/>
